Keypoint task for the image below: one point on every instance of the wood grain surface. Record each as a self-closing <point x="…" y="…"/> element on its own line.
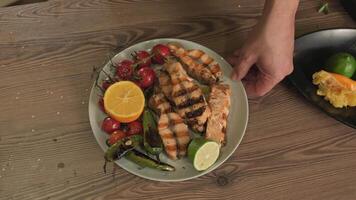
<point x="47" y="150"/>
<point x="21" y="2"/>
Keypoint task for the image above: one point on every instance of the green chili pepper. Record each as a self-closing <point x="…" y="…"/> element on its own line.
<point x="145" y="161"/>
<point x="324" y="8"/>
<point x="121" y="147"/>
<point x="151" y="139"/>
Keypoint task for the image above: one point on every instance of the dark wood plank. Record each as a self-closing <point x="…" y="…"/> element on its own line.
<point x="22" y="2"/>
<point x="47" y="150"/>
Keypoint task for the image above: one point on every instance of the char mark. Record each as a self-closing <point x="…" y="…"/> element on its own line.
<point x="196" y="113"/>
<point x="190" y="102"/>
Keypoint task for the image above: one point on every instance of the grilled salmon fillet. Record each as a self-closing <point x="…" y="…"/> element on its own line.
<point x="195" y="69"/>
<point x="168" y="138"/>
<point x="186" y="95"/>
<point x="171" y="124"/>
<point x="165" y="84"/>
<point x="174" y="133"/>
<point x="159" y="103"/>
<point x="208" y="61"/>
<point x="219" y="102"/>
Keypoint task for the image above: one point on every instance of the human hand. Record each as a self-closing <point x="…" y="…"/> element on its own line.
<point x="267" y="56"/>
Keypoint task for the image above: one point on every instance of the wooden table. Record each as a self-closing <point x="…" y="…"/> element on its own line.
<point x="47" y="150"/>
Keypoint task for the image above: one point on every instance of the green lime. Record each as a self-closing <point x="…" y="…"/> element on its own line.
<point x="203" y="153"/>
<point x="341" y="63"/>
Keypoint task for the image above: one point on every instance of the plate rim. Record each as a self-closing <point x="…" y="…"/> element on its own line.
<point x="291" y="76"/>
<point x="245" y="104"/>
<point x="8" y="2"/>
<point x="322" y="30"/>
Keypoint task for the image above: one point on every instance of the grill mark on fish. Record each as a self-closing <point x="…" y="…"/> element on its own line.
<point x="201" y="55"/>
<point x="215" y="69"/>
<point x="159" y="103"/>
<point x="190" y="102"/>
<point x="194" y="69"/>
<point x="185" y="89"/>
<point x="173" y="124"/>
<point x="193" y="97"/>
<point x="189" y="111"/>
<point x="171" y="127"/>
<point x="195" y="126"/>
<point x="180" y="81"/>
<point x="208" y="61"/>
<point x="186" y="101"/>
<point x="195" y="113"/>
<point x="167" y="136"/>
<point x="181" y="132"/>
<point x="165" y="84"/>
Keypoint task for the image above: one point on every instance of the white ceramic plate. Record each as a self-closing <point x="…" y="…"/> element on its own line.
<point x="237" y="120"/>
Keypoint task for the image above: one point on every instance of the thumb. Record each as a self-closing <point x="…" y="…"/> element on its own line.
<point x="242" y="66"/>
<point x="260" y="86"/>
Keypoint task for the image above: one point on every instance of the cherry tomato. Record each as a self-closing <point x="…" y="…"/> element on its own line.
<point x="110" y="125"/>
<point x="101" y="104"/>
<point x="134" y="128"/>
<point x="143" y="57"/>
<point x="116" y="136"/>
<point x="106" y="84"/>
<point x="146" y="77"/>
<point x="124" y="69"/>
<point x="160" y="51"/>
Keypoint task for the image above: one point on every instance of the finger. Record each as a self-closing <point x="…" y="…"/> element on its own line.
<point x="242" y="66"/>
<point x="237" y="52"/>
<point x="232" y="60"/>
<point x="260" y="86"/>
<point x="251" y="74"/>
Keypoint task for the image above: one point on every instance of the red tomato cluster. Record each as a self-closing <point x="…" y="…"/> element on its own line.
<point x="118" y="130"/>
<point x="140" y="71"/>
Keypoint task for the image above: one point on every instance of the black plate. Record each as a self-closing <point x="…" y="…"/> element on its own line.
<point x="310" y="53"/>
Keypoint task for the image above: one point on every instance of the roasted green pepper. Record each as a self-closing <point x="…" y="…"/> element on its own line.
<point x="120" y="148"/>
<point x="126" y="148"/>
<point x="151" y="140"/>
<point x="145" y="161"/>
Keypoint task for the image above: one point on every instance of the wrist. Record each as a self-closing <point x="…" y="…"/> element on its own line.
<point x="280" y="10"/>
<point x="279" y="15"/>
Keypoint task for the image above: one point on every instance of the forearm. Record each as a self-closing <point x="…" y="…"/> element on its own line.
<point x="280" y="11"/>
